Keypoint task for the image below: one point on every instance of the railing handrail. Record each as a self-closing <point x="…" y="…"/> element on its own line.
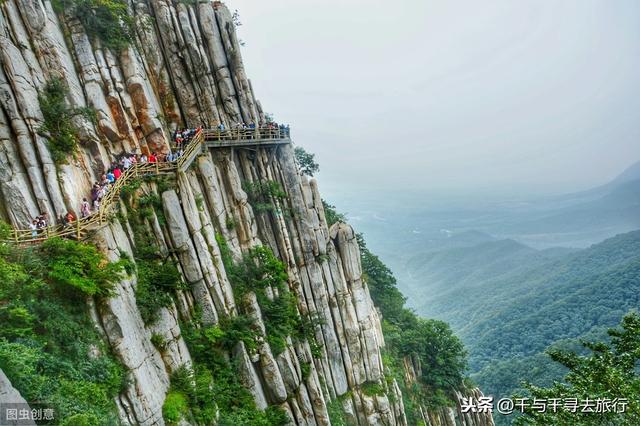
<point x="253" y="134"/>
<point x="195" y="145"/>
<point x="79" y="225"/>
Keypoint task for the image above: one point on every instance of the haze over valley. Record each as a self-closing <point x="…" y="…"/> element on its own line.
<point x="515" y="275"/>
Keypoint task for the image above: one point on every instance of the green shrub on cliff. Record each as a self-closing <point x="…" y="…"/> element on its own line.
<point x="157" y="282"/>
<point x="78" y="267"/>
<point x="331" y="214"/>
<point x="263" y="195"/>
<point x="175" y="408"/>
<point x="49" y="347"/>
<point x="261" y="272"/>
<point x="382" y="284"/>
<point x="106" y="20"/>
<point x="214" y="382"/>
<point x="58" y="123"/>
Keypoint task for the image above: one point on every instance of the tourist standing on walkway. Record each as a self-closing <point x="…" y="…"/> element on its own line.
<point x="85" y="211"/>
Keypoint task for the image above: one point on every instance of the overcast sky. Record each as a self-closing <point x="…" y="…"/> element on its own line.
<point x="441" y="95"/>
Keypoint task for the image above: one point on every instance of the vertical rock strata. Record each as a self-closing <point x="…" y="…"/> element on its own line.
<point x="184" y="70"/>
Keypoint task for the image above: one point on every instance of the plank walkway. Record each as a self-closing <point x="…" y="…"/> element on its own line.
<point x="203" y="140"/>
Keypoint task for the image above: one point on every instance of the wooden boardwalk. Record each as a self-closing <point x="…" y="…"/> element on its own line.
<point x="203" y="140"/>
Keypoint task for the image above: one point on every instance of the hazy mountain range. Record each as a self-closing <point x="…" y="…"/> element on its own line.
<point x="515" y="277"/>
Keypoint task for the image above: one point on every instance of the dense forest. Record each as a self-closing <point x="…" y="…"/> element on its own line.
<point x="605" y="381"/>
<point x="510" y="303"/>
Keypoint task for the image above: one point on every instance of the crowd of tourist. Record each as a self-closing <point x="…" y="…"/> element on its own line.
<point x="184" y="136"/>
<point x="181" y="138"/>
<point x="41" y="221"/>
<point x="251" y="126"/>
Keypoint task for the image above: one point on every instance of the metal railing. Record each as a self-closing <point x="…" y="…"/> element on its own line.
<point x="193" y="148"/>
<point x="256" y="135"/>
<point x="79" y="228"/>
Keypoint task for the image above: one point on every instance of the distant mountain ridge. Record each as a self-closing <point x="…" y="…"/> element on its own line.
<point x="439" y="276"/>
<point x="509" y="302"/>
<point x="631" y="173"/>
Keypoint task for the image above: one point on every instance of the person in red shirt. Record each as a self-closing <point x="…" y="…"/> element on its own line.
<point x="153" y="158"/>
<point x="116" y="173"/>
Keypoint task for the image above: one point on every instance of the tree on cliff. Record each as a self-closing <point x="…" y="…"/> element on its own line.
<point x="106" y="20"/>
<point x="306" y="161"/>
<point x="58" y="125"/>
<point x="609" y="373"/>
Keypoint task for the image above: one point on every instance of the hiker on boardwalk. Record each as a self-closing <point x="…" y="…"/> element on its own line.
<point x="85" y="210"/>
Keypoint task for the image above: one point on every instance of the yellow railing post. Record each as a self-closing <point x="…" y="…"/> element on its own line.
<point x="78" y="227"/>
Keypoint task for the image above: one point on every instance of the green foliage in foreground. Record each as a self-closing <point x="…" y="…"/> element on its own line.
<point x="58" y="120"/>
<point x="49" y="347"/>
<point x="610" y="371"/>
<point x="106" y="20"/>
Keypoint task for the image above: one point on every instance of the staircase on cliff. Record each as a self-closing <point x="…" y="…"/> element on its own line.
<point x="204" y="139"/>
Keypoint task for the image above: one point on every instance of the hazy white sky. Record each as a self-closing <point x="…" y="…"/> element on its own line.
<point x="452" y="94"/>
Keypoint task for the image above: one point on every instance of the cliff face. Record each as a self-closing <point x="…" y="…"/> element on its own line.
<point x="184" y="69"/>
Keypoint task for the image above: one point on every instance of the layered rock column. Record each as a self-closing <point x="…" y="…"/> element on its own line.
<point x="184" y="69"/>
